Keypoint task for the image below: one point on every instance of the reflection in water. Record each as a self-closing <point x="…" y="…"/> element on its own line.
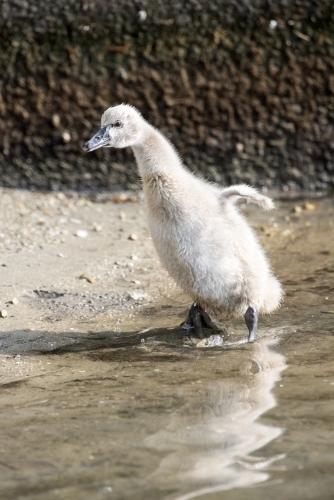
<point x="207" y="444"/>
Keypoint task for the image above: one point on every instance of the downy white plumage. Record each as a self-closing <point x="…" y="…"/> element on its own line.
<point x="202" y="240"/>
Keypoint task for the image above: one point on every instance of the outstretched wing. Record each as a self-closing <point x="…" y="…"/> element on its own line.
<point x="251" y="195"/>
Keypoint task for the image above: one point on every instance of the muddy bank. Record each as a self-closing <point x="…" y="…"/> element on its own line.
<point x="104" y="396"/>
<point x="244" y="91"/>
<point x="69" y="259"/>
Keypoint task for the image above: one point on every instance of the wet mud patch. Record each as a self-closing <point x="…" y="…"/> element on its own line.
<point x="78" y="306"/>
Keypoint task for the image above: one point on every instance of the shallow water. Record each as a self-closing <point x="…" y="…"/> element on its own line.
<point x="141" y="413"/>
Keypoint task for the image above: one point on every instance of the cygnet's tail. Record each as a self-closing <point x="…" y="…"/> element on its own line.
<point x="233" y="193"/>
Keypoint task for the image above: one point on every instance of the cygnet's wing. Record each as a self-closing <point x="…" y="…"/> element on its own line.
<point x="251" y="195"/>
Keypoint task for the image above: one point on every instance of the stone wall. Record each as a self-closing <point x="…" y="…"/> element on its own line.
<point x="244" y="89"/>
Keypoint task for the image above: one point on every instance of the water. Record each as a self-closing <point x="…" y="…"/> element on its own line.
<point x="129" y="415"/>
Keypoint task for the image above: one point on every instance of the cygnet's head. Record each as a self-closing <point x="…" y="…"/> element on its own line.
<point x="121" y="126"/>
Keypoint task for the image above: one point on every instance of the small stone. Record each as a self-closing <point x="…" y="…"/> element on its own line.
<point x="137" y="296"/>
<point x="297" y="209"/>
<point x="309" y="206"/>
<point x="3" y="313"/>
<point x="81" y="233"/>
<point x="122" y="215"/>
<point x="133" y="237"/>
<point x="14" y="301"/>
<point x="96" y="227"/>
<point x="124" y="198"/>
<point x="268" y="230"/>
<point x="202" y="343"/>
<point x="142" y="14"/>
<point x="66" y="136"/>
<point x="260" y="143"/>
<point x="213" y="341"/>
<point x="87" y="278"/>
<point x="55" y="120"/>
<point x="60" y="255"/>
<point x="239" y="147"/>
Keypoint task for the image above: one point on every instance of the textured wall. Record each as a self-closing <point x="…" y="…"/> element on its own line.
<point x="245" y="90"/>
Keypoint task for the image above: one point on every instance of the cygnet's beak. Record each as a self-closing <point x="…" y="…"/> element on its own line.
<point x="100" y="139"/>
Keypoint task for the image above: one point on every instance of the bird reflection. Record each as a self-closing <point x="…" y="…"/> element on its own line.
<point x="207" y="445"/>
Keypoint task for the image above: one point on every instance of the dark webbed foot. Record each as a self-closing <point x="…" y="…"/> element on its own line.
<point x="197" y="319"/>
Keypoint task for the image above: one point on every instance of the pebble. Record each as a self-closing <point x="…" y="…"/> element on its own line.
<point x="137" y="295"/>
<point x="81" y="233"/>
<point x="297" y="209"/>
<point x="66" y="136"/>
<point x="309" y="206"/>
<point x="125" y="197"/>
<point x="87" y="278"/>
<point x="240" y="147"/>
<point x="107" y="488"/>
<point x="14" y="301"/>
<point x="133" y="237"/>
<point x="96" y="227"/>
<point x="213" y="341"/>
<point x="268" y="230"/>
<point x="142" y="14"/>
<point x="55" y="120"/>
<point x="3" y="313"/>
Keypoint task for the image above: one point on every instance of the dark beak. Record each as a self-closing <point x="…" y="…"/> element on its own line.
<point x="100" y="139"/>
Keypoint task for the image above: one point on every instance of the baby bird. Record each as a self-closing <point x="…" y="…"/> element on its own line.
<point x="202" y="240"/>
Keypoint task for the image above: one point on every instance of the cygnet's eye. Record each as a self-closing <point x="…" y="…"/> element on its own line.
<point x="118" y="124"/>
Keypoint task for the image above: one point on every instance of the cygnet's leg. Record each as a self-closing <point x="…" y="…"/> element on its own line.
<point x="197" y="322"/>
<point x="251" y="318"/>
<point x="196" y="319"/>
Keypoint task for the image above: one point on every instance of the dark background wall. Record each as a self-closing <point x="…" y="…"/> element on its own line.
<point x="244" y="89"/>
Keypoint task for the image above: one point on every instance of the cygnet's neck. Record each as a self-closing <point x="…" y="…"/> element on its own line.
<point x="155" y="154"/>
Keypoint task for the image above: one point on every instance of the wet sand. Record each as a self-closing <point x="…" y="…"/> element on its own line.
<point x="104" y="396"/>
